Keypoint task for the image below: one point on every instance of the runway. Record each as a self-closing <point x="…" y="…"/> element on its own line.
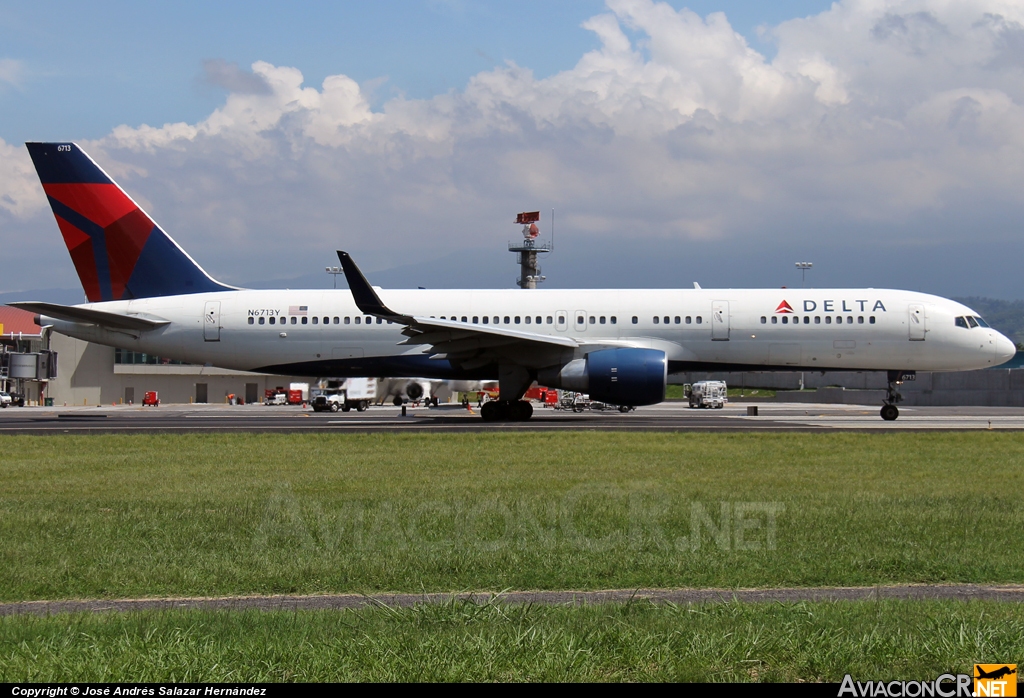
<point x="668" y="416"/>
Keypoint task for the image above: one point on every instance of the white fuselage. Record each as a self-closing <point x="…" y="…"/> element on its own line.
<point x="828" y="329"/>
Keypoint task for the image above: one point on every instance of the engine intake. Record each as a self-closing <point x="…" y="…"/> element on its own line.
<point x="616" y="376"/>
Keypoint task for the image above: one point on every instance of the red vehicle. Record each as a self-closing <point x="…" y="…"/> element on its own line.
<point x="151" y="398"/>
<point x="545" y="396"/>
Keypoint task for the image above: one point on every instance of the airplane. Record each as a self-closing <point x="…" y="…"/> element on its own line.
<point x="146" y="294"/>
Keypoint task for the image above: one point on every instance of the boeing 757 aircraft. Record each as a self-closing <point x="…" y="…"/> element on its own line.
<point x="147" y="294"/>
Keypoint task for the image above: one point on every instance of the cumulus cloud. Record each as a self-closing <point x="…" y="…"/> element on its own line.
<point x="12" y="71"/>
<point x="878" y="114"/>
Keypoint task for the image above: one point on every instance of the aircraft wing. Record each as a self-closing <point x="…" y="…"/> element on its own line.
<point x="90" y="316"/>
<point x="458" y="342"/>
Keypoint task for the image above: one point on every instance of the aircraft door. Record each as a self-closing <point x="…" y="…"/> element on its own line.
<point x="580" y="320"/>
<point x="916" y="321"/>
<point x="720" y="321"/>
<point x="561" y="321"/>
<point x="211" y="321"/>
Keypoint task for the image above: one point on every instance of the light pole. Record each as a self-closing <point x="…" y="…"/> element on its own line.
<point x="803" y="267"/>
<point x="334" y="271"/>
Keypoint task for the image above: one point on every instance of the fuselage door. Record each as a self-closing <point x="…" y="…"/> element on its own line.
<point x="916" y="320"/>
<point x="720" y="321"/>
<point x="211" y="321"/>
<point x="580" y="318"/>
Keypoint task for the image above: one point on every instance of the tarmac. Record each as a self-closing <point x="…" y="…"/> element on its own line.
<point x="665" y="417"/>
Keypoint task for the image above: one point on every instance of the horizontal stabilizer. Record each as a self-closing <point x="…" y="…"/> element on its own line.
<point x="89" y="316"/>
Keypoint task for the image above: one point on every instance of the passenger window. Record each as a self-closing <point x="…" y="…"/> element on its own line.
<point x="540" y="319"/>
<point x="593" y="319"/>
<point x="764" y="320"/>
<point x="327" y="320"/>
<point x="486" y="319"/>
<point x="666" y="319"/>
<point x="839" y="320"/>
<point x="517" y="320"/>
<point x="476" y="319"/>
<point x="580" y="319"/>
<point x="261" y="320"/>
<point x="828" y="319"/>
<point x="359" y="320"/>
<point x="635" y="320"/>
<point x="699" y="319"/>
<point x="972" y="322"/>
<point x="369" y="320"/>
<point x="549" y="320"/>
<point x="785" y="320"/>
<point x="380" y="321"/>
<point x="614" y="320"/>
<point x="677" y="319"/>
<point x="807" y="320"/>
<point x="496" y="320"/>
<point x="337" y="320"/>
<point x="506" y="319"/>
<point x="602" y="319"/>
<point x="305" y="320"/>
<point x="315" y="319"/>
<point x="871" y="320"/>
<point x="272" y="320"/>
<point x="860" y="319"/>
<point x="817" y="319"/>
<point x="775" y="319"/>
<point x="252" y="320"/>
<point x="348" y="320"/>
<point x="655" y="319"/>
<point x="688" y="319"/>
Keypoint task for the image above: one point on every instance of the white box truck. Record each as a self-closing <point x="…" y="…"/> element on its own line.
<point x="344" y="395"/>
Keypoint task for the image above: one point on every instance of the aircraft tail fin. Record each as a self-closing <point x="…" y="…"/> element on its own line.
<point x="118" y="251"/>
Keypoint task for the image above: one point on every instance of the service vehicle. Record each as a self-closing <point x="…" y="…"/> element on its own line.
<point x="5" y="399"/>
<point x="151" y="398"/>
<point x="344" y="395"/>
<point x="711" y="394"/>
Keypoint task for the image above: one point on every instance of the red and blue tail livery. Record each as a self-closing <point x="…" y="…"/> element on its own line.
<point x="118" y="251"/>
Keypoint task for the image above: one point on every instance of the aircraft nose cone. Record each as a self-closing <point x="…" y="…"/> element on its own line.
<point x="1005" y="349"/>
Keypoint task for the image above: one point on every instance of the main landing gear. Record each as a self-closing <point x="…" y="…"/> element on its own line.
<point x="506" y="411"/>
<point x="889" y="411"/>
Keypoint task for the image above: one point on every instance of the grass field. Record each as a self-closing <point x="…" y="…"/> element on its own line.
<point x="458" y="642"/>
<point x="131" y="516"/>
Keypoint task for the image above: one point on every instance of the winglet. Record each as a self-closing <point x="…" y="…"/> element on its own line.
<point x="363" y="294"/>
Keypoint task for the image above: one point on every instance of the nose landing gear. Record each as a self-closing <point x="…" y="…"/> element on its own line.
<point x="889" y="411"/>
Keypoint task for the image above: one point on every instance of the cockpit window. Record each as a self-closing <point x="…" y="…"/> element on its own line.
<point x="960" y="322"/>
<point x="972" y="322"/>
<point x="981" y="322"/>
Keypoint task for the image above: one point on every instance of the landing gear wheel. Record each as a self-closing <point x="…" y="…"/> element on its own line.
<point x="491" y="411"/>
<point x="520" y="411"/>
<point x="623" y="409"/>
<point x="889" y="413"/>
<point x="334" y="407"/>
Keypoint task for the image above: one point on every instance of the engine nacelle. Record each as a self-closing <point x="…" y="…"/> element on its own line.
<point x="616" y="376"/>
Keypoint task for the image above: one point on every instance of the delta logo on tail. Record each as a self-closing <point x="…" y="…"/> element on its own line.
<point x="784" y="307"/>
<point x="119" y="252"/>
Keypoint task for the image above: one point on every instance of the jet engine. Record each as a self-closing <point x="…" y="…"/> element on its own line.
<point x="616" y="376"/>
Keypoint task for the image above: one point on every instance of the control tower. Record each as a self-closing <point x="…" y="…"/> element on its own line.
<point x="527" y="250"/>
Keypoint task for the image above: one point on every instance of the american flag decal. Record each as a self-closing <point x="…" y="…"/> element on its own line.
<point x="297" y="309"/>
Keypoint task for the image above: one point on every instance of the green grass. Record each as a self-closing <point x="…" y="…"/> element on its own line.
<point x="459" y="642"/>
<point x="130" y="516"/>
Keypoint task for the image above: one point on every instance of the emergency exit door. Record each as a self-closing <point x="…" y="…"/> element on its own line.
<point x="720" y="321"/>
<point x="916" y="320"/>
<point x="211" y="321"/>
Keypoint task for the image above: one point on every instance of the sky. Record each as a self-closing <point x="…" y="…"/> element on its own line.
<point x="717" y="142"/>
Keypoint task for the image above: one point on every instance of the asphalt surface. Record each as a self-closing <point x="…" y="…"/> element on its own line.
<point x="954" y="592"/>
<point x="669" y="416"/>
